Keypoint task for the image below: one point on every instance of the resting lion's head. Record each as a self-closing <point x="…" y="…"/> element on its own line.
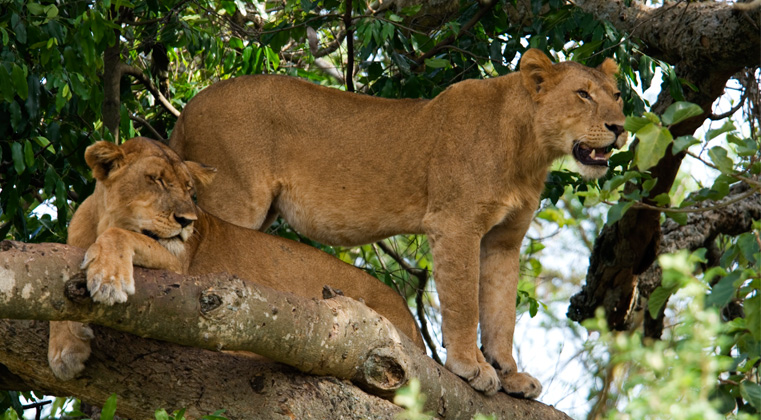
<point x="147" y="188"/>
<point x="579" y="109"/>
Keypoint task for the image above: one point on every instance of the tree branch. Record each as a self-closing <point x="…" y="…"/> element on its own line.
<point x="485" y="8"/>
<point x="422" y="277"/>
<point x="732" y="215"/>
<point x="338" y="337"/>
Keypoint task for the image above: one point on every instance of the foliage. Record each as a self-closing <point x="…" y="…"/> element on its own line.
<point x="701" y="371"/>
<point x="52" y="94"/>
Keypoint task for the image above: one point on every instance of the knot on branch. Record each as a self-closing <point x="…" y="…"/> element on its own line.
<point x="209" y="301"/>
<point x="75" y="289"/>
<point x="384" y="371"/>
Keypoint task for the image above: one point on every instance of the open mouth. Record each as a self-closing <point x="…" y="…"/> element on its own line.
<point x="594" y="156"/>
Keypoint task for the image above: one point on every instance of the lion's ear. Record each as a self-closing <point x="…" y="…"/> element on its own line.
<point x="535" y="69"/>
<point x="609" y="67"/>
<point x="102" y="157"/>
<point x="202" y="174"/>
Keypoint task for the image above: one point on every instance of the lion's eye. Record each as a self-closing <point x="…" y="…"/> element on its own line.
<point x="583" y="94"/>
<point x="617" y="95"/>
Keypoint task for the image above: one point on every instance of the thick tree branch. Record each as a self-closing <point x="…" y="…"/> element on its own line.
<point x="148" y="375"/>
<point x="338" y="336"/>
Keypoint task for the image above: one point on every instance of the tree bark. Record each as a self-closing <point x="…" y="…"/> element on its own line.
<point x="338" y="337"/>
<point x="707" y="42"/>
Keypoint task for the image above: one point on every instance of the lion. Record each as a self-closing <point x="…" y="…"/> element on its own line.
<point x="466" y="168"/>
<point x="142" y="213"/>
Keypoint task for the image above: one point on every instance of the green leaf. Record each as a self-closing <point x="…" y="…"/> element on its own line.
<point x="436" y="63"/>
<point x="28" y="154"/>
<point x="17" y="153"/>
<point x="753" y="315"/>
<point x="617" y="211"/>
<point x="719" y="158"/>
<point x="653" y="141"/>
<point x="723" y="400"/>
<point x="161" y="414"/>
<point x="677" y="216"/>
<point x="16" y="121"/>
<point x="657" y="299"/>
<point x="109" y="408"/>
<point x="722" y="292"/>
<point x="727" y="127"/>
<point x="683" y="142"/>
<point x="680" y="111"/>
<point x="751" y="392"/>
<point x="35" y="8"/>
<point x="748" y="246"/>
<point x="19" y="82"/>
<point x="50" y="181"/>
<point x="634" y="124"/>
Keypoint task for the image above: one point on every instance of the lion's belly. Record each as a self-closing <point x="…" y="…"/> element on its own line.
<point x="341" y="215"/>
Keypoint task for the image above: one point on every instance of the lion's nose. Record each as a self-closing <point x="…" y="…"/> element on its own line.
<point x="184" y="221"/>
<point x="615" y="128"/>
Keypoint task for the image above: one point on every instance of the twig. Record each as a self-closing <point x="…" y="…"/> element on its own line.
<point x="422" y="276"/>
<point x="734" y="109"/>
<point x="738" y="177"/>
<point x="148" y="83"/>
<point x="349" y="48"/>
<point x="148" y="125"/>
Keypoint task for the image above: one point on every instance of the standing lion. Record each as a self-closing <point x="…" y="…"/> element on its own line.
<point x="467" y="168"/>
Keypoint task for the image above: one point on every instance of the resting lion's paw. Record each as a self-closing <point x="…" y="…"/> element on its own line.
<point x="481" y="375"/>
<point x="68" y="349"/>
<point x="521" y="385"/>
<point x="109" y="274"/>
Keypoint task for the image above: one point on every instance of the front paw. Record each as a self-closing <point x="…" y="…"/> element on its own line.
<point x="68" y="349"/>
<point x="480" y="375"/>
<point x="521" y="385"/>
<point x="109" y="274"/>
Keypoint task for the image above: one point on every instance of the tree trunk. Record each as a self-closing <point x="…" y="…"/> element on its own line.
<point x="338" y="337"/>
<point x="707" y="42"/>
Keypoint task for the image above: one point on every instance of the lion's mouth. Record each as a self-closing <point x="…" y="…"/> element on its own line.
<point x="156" y="237"/>
<point x="594" y="156"/>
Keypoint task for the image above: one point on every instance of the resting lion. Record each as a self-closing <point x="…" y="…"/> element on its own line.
<point x="142" y="212"/>
<point x="467" y="168"/>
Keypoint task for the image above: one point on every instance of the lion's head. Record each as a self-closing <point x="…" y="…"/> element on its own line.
<point x="579" y="109"/>
<point x="147" y="188"/>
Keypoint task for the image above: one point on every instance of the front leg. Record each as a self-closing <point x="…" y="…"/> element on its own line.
<point x="110" y="259"/>
<point x="455" y="258"/>
<point x="500" y="265"/>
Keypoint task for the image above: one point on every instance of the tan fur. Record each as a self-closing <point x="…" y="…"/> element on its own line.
<point x="143" y="186"/>
<point x="466" y="168"/>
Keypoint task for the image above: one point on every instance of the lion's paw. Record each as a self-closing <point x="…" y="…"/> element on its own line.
<point x="68" y="349"/>
<point x="521" y="385"/>
<point x="109" y="275"/>
<point x="480" y="375"/>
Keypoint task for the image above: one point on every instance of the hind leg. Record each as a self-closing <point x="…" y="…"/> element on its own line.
<point x="500" y="252"/>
